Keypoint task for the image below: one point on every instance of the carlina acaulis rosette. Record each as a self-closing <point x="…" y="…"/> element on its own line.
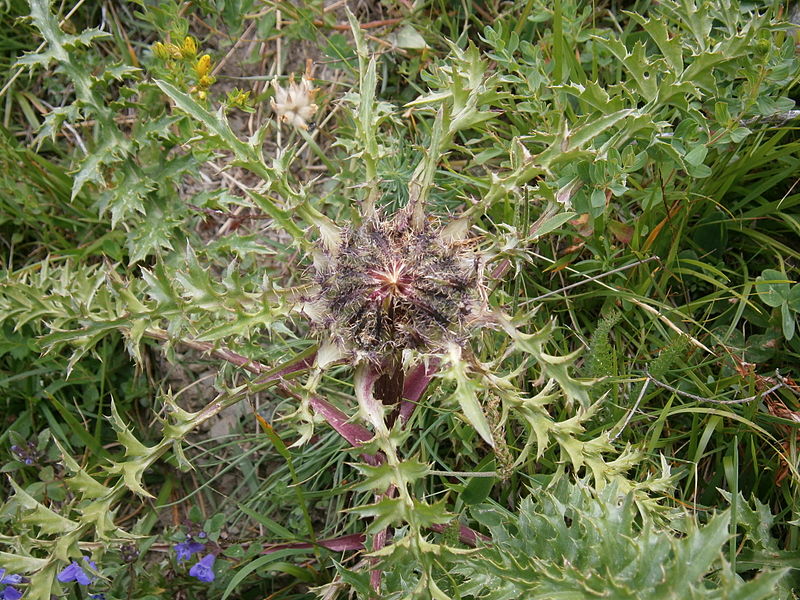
<point x="391" y="284"/>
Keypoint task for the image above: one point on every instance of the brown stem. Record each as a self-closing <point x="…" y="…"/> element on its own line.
<point x="230" y="356"/>
<point x="370" y="25"/>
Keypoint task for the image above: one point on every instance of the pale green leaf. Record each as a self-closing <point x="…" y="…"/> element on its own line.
<point x="772" y="287"/>
<point x="787" y="321"/>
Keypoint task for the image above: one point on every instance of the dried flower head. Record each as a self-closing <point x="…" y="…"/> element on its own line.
<point x="388" y="286"/>
<point x="295" y="104"/>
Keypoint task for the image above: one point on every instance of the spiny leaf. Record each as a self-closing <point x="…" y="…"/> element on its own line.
<point x="17" y="563"/>
<point x="466" y="394"/>
<point x="35" y="513"/>
<point x="568" y="542"/>
<point x="380" y="477"/>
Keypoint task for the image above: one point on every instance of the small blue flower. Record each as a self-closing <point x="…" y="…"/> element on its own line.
<point x="100" y="596"/>
<point x="184" y="550"/>
<point x="74" y="572"/>
<point x="13" y="579"/>
<point x="204" y="570"/>
<point x="9" y="592"/>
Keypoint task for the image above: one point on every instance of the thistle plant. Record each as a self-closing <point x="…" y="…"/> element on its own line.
<point x="565" y="541"/>
<point x="404" y="309"/>
<point x="295" y="104"/>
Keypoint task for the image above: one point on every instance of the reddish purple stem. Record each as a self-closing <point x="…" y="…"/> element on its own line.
<point x="379" y="541"/>
<point x="288" y="369"/>
<point x="354" y="541"/>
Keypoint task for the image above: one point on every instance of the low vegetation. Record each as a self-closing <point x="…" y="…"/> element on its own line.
<point x="399" y="299"/>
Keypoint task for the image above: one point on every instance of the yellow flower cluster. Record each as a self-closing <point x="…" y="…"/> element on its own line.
<point x="187" y="52"/>
<point x="172" y="51"/>
<point x="203" y="70"/>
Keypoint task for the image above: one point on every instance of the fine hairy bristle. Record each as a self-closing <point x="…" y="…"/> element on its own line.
<point x="389" y="286"/>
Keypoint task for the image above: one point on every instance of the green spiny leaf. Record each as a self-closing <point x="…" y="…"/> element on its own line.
<point x="35" y="513"/>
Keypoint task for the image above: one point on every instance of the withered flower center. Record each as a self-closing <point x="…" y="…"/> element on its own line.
<point x="392" y="280"/>
<point x="388" y="286"/>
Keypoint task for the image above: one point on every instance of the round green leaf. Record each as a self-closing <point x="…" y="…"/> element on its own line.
<point x="773" y="288"/>
<point x="793" y="298"/>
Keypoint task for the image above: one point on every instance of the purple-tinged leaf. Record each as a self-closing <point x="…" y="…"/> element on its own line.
<point x="356" y="434"/>
<point x="416" y="382"/>
<point x="378" y="542"/>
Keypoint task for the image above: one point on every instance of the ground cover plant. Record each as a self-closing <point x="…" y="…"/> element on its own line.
<point x="399" y="299"/>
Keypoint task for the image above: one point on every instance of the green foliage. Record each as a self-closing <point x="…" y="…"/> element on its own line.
<point x="565" y="542"/>
<point x="573" y="161"/>
<point x="600" y="360"/>
<point x="776" y="293"/>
